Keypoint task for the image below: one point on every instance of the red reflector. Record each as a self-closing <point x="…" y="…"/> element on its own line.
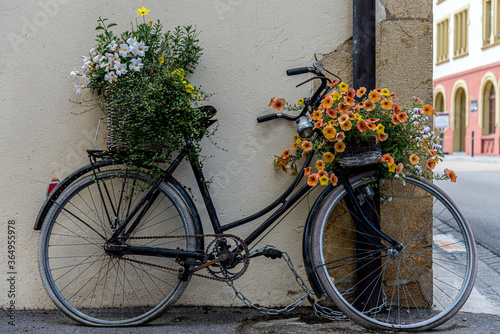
<point x="52" y="184"/>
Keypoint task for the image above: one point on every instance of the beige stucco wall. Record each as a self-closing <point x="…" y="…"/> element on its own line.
<point x="248" y="46"/>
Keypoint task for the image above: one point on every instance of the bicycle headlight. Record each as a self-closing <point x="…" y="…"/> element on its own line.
<point x="304" y="127"/>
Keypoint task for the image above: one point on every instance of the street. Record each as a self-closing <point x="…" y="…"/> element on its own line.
<point x="477" y="194"/>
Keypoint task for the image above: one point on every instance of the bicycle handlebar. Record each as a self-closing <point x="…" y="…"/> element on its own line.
<point x="300" y="70"/>
<point x="269" y="117"/>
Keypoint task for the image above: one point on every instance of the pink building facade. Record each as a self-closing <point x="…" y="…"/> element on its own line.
<point x="471" y="100"/>
<point x="467" y="74"/>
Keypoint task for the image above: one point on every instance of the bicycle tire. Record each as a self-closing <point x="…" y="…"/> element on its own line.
<point x="418" y="288"/>
<point x="99" y="289"/>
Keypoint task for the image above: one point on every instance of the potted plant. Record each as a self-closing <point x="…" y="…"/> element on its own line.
<point x="375" y="130"/>
<point x="141" y="79"/>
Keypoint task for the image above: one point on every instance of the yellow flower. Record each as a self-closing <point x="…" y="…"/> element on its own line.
<point x="385" y="92"/>
<point x="392" y="168"/>
<point x="150" y="23"/>
<point x="190" y="89"/>
<point x="161" y="60"/>
<point x="336" y="96"/>
<point x="301" y="102"/>
<point x="380" y="129"/>
<point x="142" y="11"/>
<point x="357" y="116"/>
<point x="323" y="180"/>
<point x="343" y="87"/>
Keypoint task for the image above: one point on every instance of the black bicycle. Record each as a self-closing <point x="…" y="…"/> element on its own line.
<point x="118" y="247"/>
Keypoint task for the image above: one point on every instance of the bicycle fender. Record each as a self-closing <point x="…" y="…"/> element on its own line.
<point x="62" y="186"/>
<point x="306" y="242"/>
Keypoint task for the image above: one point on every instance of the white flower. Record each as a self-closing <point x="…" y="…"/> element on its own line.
<point x="78" y="88"/>
<point x="105" y="65"/>
<point x="96" y="58"/>
<point x="74" y="73"/>
<point x="135" y="64"/>
<point x="111" y="77"/>
<point x="138" y="49"/>
<point x="112" y="46"/>
<point x="120" y="68"/>
<point x="131" y="41"/>
<point x="124" y="50"/>
<point x="426" y="129"/>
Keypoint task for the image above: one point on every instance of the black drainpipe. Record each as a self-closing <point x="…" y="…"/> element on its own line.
<point x="364" y="47"/>
<point x="364" y="50"/>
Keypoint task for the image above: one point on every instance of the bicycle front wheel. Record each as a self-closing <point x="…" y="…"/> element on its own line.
<point x="414" y="287"/>
<point x="100" y="288"/>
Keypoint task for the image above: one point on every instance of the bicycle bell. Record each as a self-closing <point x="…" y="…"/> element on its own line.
<point x="305" y="127"/>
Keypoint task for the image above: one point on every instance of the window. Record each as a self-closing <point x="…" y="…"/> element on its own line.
<point x="461" y="35"/>
<point x="491" y="110"/>
<point x="491" y="22"/>
<point x="442" y="41"/>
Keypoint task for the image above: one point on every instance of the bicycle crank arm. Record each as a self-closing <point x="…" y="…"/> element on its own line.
<point x="222" y="258"/>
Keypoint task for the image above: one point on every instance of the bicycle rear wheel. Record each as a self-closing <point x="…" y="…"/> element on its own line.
<point x="98" y="288"/>
<point x="416" y="288"/>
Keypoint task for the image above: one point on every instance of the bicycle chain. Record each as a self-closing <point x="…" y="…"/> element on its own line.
<point x="191" y="236"/>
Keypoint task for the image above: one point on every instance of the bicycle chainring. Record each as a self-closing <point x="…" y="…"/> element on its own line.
<point x="238" y="257"/>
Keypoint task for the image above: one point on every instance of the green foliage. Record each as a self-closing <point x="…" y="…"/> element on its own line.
<point x="141" y="75"/>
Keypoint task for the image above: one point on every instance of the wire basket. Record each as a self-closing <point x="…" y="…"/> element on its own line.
<point x="361" y="154"/>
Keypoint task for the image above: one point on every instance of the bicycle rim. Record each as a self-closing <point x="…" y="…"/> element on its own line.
<point x="101" y="289"/>
<point x="417" y="288"/>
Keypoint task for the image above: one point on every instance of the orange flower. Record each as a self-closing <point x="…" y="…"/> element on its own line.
<point x="427" y="109"/>
<point x="271" y="102"/>
<point x="294" y="146"/>
<point x="328" y="157"/>
<point x="374" y="96"/>
<point x="346" y="126"/>
<point x="351" y="92"/>
<point x="333" y="83"/>
<point x="362" y="126"/>
<point x="371" y="126"/>
<point x="307" y="146"/>
<point x="327" y="102"/>
<point x="373" y="120"/>
<point x="351" y="115"/>
<point x="333" y="179"/>
<point x="312" y="180"/>
<point x="342" y="119"/>
<point x="349" y="101"/>
<point x="331" y="112"/>
<point x="431" y="163"/>
<point x="322" y="172"/>
<point x="387" y="158"/>
<point x="316" y="115"/>
<point x="307" y="171"/>
<point x="451" y="175"/>
<point x="395" y="119"/>
<point x="369" y="105"/>
<point x="414" y="159"/>
<point x="340" y="136"/>
<point x="397" y="108"/>
<point x="339" y="147"/>
<point x="361" y="92"/>
<point x="382" y="137"/>
<point x="278" y="104"/>
<point x="318" y="124"/>
<point x="329" y="132"/>
<point x="343" y="108"/>
<point x="402" y="117"/>
<point x="320" y="164"/>
<point x="386" y="104"/>
<point x="432" y="153"/>
<point x="399" y="168"/>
